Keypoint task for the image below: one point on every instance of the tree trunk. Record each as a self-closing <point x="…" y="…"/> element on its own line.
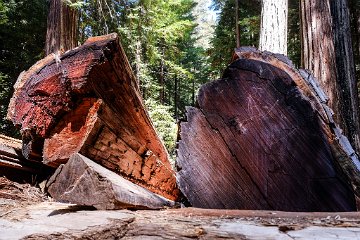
<point x="83" y="182"/>
<point x="176" y="97"/>
<point x="355" y="34"/>
<point x="355" y="24"/>
<point x="318" y="53"/>
<point x="193" y="92"/>
<point x="138" y="61"/>
<point x="237" y="26"/>
<point x="261" y="138"/>
<point x="62" y="27"/>
<point x="162" y="78"/>
<point x="88" y="101"/>
<point x="345" y="68"/>
<point x="273" y="31"/>
<point x="327" y="53"/>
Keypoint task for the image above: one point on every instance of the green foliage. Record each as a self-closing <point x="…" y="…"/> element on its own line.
<point x="294" y="42"/>
<point x="76" y="4"/>
<point x="224" y="40"/>
<point x="158" y="38"/>
<point x="4" y="92"/>
<point x="159" y="41"/>
<point x="3" y="13"/>
<point x="164" y="124"/>
<point x="22" y="39"/>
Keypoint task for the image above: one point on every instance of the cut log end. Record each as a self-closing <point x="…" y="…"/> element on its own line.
<point x="256" y="141"/>
<point x="87" y="100"/>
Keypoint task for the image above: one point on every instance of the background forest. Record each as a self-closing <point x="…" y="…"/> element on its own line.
<point x="174" y="46"/>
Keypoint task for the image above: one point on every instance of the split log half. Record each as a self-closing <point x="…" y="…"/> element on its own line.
<point x="83" y="182"/>
<point x="87" y="100"/>
<point x="259" y="139"/>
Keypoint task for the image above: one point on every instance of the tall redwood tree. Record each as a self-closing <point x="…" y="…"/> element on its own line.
<point x="273" y="31"/>
<point x="62" y="27"/>
<point x="327" y="53"/>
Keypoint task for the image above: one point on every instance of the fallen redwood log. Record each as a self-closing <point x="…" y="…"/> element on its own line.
<point x="14" y="166"/>
<point x="83" y="182"/>
<point x="87" y="100"/>
<point x="262" y="138"/>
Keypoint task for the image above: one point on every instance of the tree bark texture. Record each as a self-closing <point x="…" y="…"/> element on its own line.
<point x="274" y="26"/>
<point x="355" y="34"/>
<point x="262" y="133"/>
<point x="81" y="181"/>
<point x="237" y="26"/>
<point x="345" y="68"/>
<point x="87" y="100"/>
<point x="318" y="54"/>
<point x="355" y="22"/>
<point x="62" y="27"/>
<point x="327" y="54"/>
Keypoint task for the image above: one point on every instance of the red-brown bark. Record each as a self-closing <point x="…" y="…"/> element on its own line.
<point x="62" y="27"/>
<point x="327" y="53"/>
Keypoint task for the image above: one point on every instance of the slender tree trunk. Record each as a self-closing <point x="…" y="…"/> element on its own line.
<point x="176" y="98"/>
<point x="193" y="92"/>
<point x="138" y="61"/>
<point x="326" y="53"/>
<point x="62" y="27"/>
<point x="162" y="80"/>
<point x="355" y="22"/>
<point x="273" y="31"/>
<point x="237" y="27"/>
<point x="345" y="66"/>
<point x="355" y="34"/>
<point x="139" y="50"/>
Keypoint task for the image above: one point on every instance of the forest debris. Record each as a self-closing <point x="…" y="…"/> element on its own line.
<point x="13" y="164"/>
<point x="22" y="192"/>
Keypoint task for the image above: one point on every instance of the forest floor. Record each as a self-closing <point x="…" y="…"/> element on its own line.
<point x="26" y="213"/>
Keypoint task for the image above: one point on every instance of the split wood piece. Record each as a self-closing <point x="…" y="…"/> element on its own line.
<point x="256" y="141"/>
<point x="13" y="165"/>
<point x="57" y="99"/>
<point x="83" y="182"/>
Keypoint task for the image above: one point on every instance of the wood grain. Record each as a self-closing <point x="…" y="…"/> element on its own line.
<point x="83" y="182"/>
<point x="255" y="141"/>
